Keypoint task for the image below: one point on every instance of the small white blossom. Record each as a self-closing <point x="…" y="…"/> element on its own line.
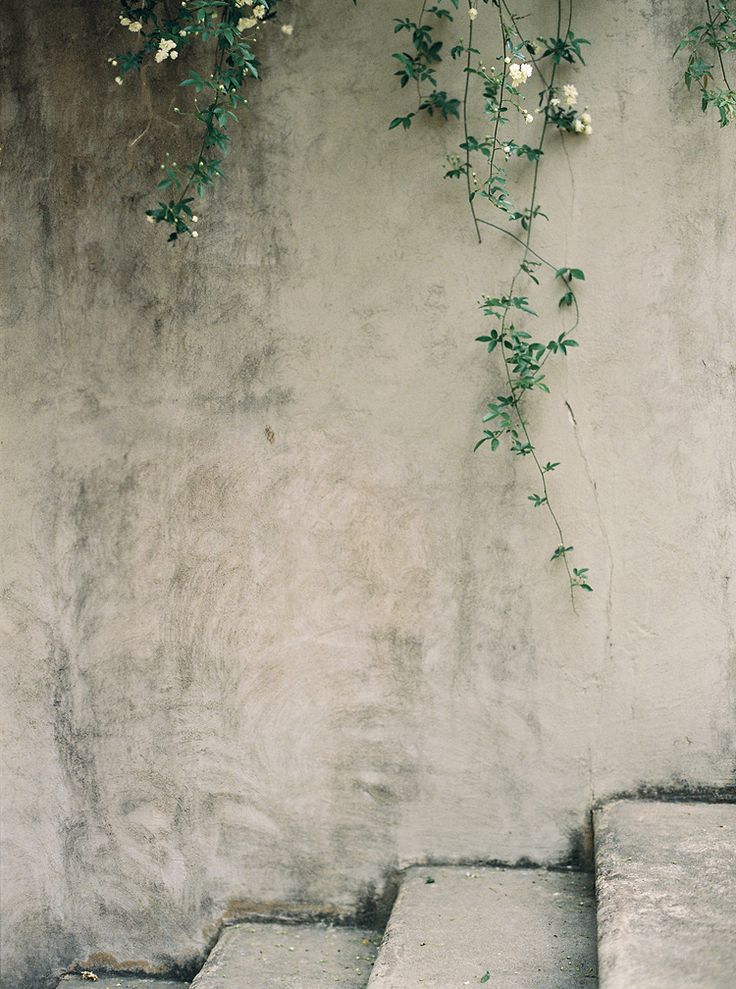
<point x="554" y="101"/>
<point x="245" y="22"/>
<point x="195" y="233"/>
<point x="194" y="219"/>
<point x="119" y="80"/>
<point x="579" y="126"/>
<point x="125" y="21"/>
<point x="259" y="11"/>
<point x="588" y="130"/>
<point x="135" y="27"/>
<point x="570" y="93"/>
<point x="472" y="13"/>
<point x="287" y="29"/>
<point x="150" y="219"/>
<point x="182" y="34"/>
<point x="586" y="118"/>
<point x="507" y="60"/>
<point x="529" y="117"/>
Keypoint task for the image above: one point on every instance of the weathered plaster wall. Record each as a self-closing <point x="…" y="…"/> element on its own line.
<point x="241" y="672"/>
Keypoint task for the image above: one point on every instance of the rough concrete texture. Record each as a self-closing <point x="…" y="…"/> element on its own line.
<point x="526" y="928"/>
<point x="289" y="956"/>
<point x="269" y="627"/>
<point x="118" y="982"/>
<point x="666" y="887"/>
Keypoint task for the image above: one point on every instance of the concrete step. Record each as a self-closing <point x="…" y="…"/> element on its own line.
<point x="289" y="956"/>
<point x="666" y="884"/>
<point x="100" y="981"/>
<point x="524" y="928"/>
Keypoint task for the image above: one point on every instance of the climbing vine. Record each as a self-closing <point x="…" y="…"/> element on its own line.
<point x="523" y="94"/>
<point x="164" y="30"/>
<point x="517" y="131"/>
<point x="708" y="46"/>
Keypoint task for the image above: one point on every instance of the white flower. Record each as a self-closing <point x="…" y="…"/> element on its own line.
<point x="259" y="11"/>
<point x="135" y="27"/>
<point x="182" y="34"/>
<point x="194" y="219"/>
<point x="245" y="22"/>
<point x="472" y="13"/>
<point x="287" y="28"/>
<point x="529" y="117"/>
<point x="588" y="130"/>
<point x="586" y="119"/>
<point x="125" y="21"/>
<point x="150" y="219"/>
<point x="507" y="60"/>
<point x="554" y="101"/>
<point x="579" y="126"/>
<point x="174" y="54"/>
<point x="519" y="73"/>
<point x="570" y="93"/>
<point x="119" y="80"/>
<point x="507" y="149"/>
<point x="195" y="233"/>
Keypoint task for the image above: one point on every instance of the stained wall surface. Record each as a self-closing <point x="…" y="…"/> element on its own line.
<point x="270" y="629"/>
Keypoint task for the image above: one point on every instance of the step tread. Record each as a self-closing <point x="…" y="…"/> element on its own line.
<point x="528" y="928"/>
<point x="666" y="882"/>
<point x="289" y="956"/>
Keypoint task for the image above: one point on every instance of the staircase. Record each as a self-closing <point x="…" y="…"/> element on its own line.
<point x="663" y="915"/>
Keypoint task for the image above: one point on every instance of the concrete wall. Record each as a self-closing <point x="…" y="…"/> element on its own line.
<point x="241" y="673"/>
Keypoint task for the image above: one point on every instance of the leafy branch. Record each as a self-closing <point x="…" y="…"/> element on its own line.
<point x="230" y="27"/>
<point x="715" y="37"/>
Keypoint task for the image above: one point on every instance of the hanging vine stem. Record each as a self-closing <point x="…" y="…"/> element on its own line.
<point x="523" y="357"/>
<point x="712" y="24"/>
<point x="576" y="577"/>
<point x="562" y="550"/>
<point x="465" y="130"/>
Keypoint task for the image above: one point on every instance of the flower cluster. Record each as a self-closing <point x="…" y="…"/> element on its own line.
<point x="135" y="26"/>
<point x="166" y="49"/>
<point x="564" y="115"/>
<point x="259" y="12"/>
<point x="519" y="73"/>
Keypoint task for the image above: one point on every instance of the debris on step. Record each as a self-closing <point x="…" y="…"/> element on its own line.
<point x="289" y="956"/>
<point x="666" y="884"/>
<point x="100" y="980"/>
<point x="502" y="928"/>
